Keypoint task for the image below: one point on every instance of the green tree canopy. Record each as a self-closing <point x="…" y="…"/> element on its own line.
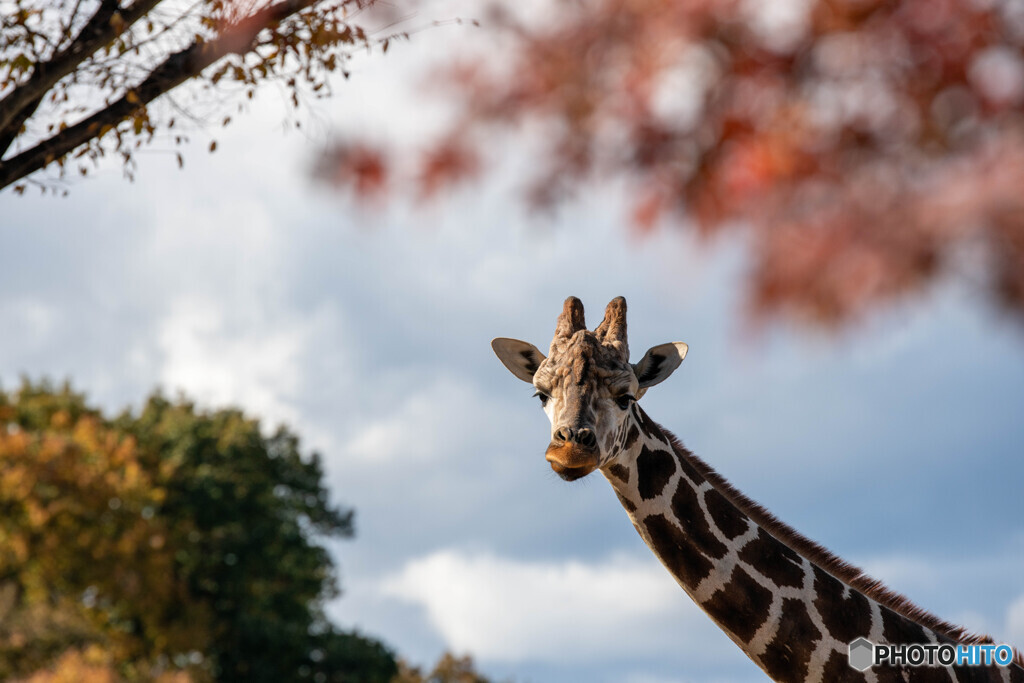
<point x="172" y="541"/>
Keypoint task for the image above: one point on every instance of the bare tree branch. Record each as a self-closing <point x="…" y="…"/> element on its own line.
<point x="97" y="32"/>
<point x="175" y="70"/>
<point x="13" y="128"/>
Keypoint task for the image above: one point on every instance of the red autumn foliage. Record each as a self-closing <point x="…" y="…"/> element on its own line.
<point x="361" y="167"/>
<point x="446" y="164"/>
<point x="869" y="147"/>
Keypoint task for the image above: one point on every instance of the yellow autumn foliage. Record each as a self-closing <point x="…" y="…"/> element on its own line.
<point x="171" y="545"/>
<point x="82" y="560"/>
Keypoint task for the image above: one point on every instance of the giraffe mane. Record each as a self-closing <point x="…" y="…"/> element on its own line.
<point x="848" y="573"/>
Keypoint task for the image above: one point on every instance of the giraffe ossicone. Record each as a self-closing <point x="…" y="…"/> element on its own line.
<point x="793" y="607"/>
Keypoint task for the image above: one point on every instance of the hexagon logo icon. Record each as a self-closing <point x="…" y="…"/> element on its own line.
<point x="862" y="654"/>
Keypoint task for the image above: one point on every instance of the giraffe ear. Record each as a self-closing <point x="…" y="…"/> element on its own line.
<point x="658" y="363"/>
<point x="521" y="358"/>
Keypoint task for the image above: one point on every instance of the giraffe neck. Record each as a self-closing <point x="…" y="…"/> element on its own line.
<point x="789" y="604"/>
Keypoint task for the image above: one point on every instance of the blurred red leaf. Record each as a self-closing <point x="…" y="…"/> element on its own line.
<point x="867" y="144"/>
<point x="446" y="165"/>
<point x="358" y="166"/>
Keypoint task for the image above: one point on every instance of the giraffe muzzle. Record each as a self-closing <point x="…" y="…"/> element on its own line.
<point x="571" y="460"/>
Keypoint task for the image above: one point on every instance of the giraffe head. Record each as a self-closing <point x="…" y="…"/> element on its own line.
<point x="587" y="385"/>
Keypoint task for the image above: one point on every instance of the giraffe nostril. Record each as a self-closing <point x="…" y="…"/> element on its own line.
<point x="587" y="438"/>
<point x="563" y="434"/>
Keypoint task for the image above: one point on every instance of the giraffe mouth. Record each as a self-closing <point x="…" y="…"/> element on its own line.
<point x="571" y="461"/>
<point x="572" y="473"/>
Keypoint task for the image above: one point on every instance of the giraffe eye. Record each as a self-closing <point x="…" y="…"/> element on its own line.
<point x="624" y="400"/>
<point x="542" y="396"/>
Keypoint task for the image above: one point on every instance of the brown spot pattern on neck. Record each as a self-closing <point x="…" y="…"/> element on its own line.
<point x="676" y="521"/>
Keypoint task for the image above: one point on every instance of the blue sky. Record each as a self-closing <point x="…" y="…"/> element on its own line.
<point x="898" y="444"/>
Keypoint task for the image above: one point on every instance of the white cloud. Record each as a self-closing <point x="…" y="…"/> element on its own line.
<point x="648" y="678"/>
<point x="565" y="611"/>
<point x="441" y="419"/>
<point x="1015" y="623"/>
<point x="215" y="242"/>
<point x="223" y="358"/>
<point x="907" y="570"/>
<point x="34" y="320"/>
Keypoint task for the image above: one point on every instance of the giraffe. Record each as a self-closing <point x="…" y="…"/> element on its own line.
<point x="789" y="604"/>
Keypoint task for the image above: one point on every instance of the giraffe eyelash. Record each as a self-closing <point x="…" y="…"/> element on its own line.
<point x="542" y="396"/>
